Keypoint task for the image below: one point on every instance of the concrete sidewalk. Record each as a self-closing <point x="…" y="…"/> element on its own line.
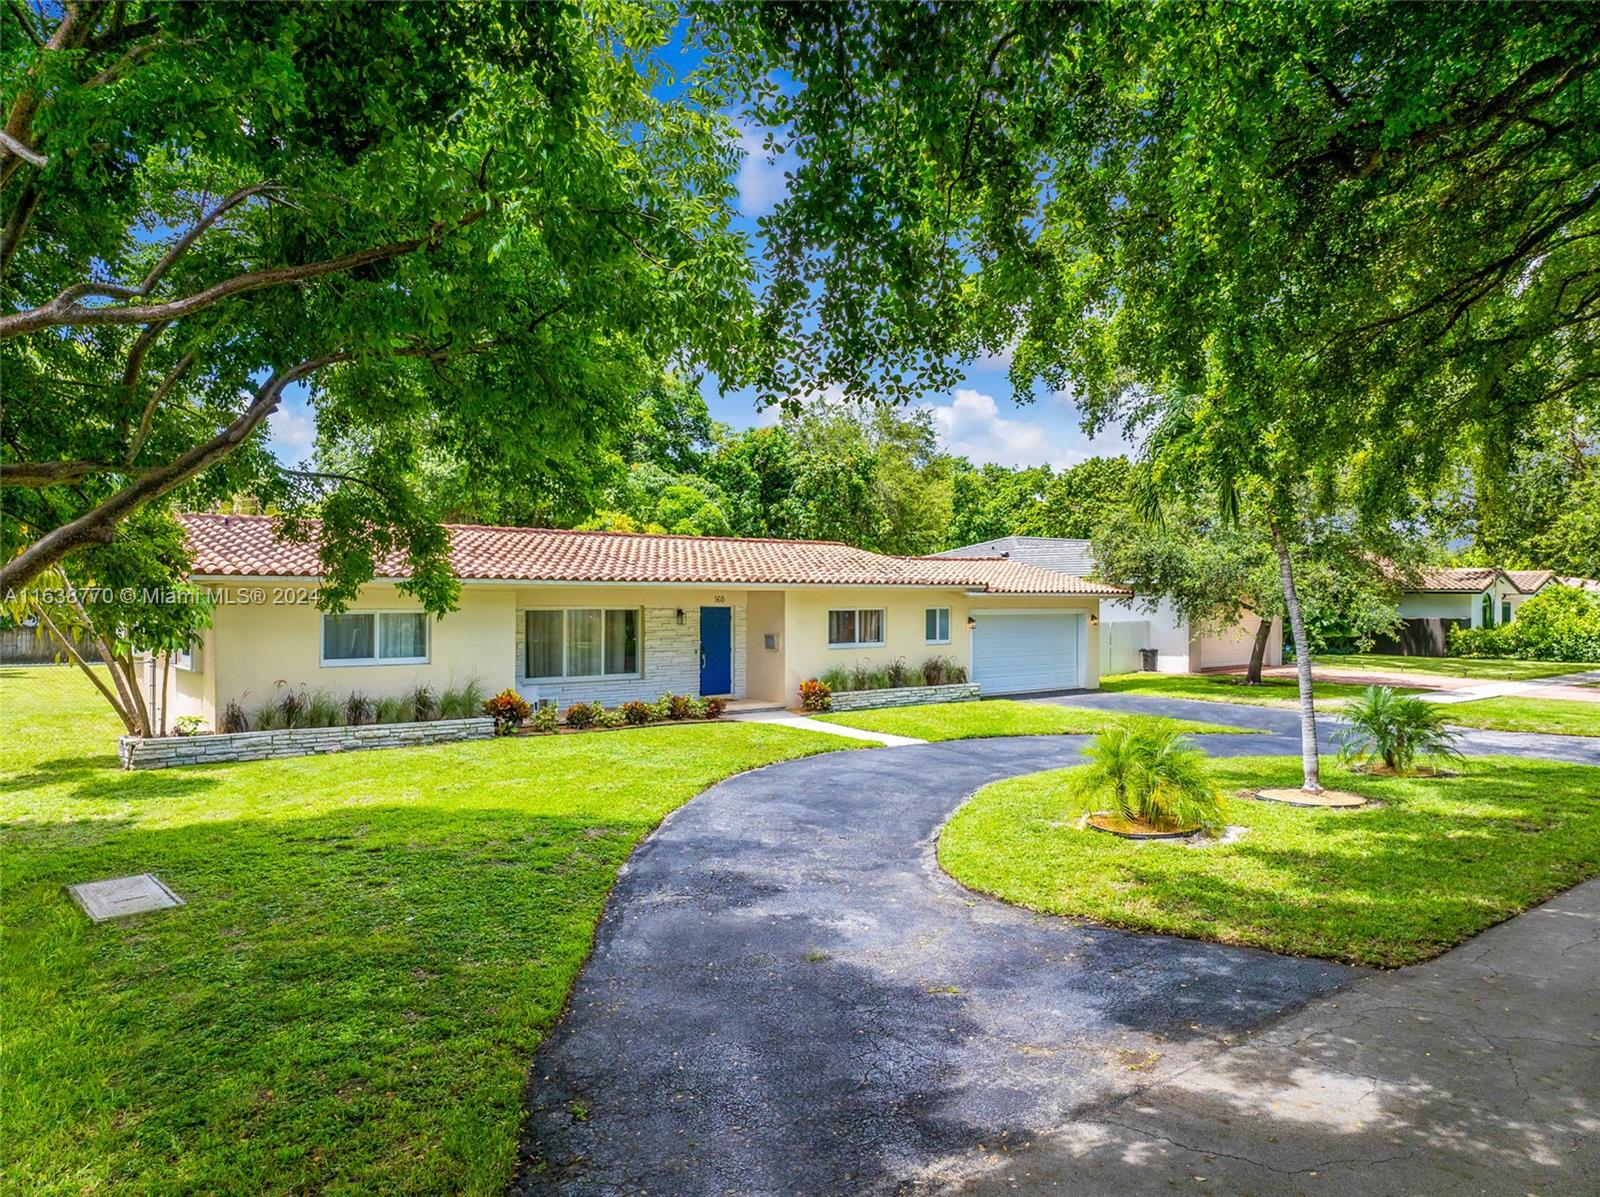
<point x="1446" y="688"/>
<point x="1478" y="1072"/>
<point x="805" y="723"/>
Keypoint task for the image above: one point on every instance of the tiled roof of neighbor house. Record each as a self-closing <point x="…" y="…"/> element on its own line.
<point x="1074" y="557"/>
<point x="1457" y="580"/>
<point x="1580" y="583"/>
<point x="1529" y="580"/>
<point x="247" y="546"/>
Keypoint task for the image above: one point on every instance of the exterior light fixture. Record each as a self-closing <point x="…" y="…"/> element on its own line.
<point x="971" y="623"/>
<point x="680" y="614"/>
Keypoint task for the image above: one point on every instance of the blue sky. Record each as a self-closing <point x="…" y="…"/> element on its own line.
<point x="977" y="418"/>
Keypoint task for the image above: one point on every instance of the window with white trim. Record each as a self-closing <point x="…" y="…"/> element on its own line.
<point x="375" y="638"/>
<point x="188" y="657"/>
<point x="855" y="627"/>
<point x="580" y="642"/>
<point x="936" y="625"/>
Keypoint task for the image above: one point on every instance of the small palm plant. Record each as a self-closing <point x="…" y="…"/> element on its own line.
<point x="1148" y="772"/>
<point x="1397" y="729"/>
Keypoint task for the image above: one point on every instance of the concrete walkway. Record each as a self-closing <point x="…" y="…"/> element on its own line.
<point x="787" y="996"/>
<point x="790" y="719"/>
<point x="1447" y="688"/>
<point x="1478" y="1072"/>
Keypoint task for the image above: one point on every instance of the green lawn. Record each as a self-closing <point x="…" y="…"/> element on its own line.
<point x="991" y="717"/>
<point x="1390" y="885"/>
<point x="1225" y="687"/>
<point x="1555" y="716"/>
<point x="1497" y="669"/>
<point x="372" y="947"/>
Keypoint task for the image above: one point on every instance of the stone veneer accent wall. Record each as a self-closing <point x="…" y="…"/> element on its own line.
<point x="162" y="752"/>
<point x="904" y="696"/>
<point x="671" y="662"/>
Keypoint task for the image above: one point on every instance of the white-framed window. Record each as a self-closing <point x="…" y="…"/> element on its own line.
<point x="936" y="625"/>
<point x="855" y="627"/>
<point x="375" y="638"/>
<point x="188" y="657"/>
<point x="581" y="642"/>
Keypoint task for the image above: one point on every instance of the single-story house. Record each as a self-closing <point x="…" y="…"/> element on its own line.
<point x="1468" y="597"/>
<point x="1127" y="625"/>
<point x="563" y="617"/>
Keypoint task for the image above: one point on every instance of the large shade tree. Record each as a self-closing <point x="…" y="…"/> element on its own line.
<point x="1295" y="245"/>
<point x="469" y="230"/>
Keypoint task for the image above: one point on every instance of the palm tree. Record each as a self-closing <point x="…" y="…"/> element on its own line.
<point x="1396" y="729"/>
<point x="1148" y="771"/>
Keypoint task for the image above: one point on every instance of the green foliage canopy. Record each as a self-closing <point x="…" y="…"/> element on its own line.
<point x="469" y="229"/>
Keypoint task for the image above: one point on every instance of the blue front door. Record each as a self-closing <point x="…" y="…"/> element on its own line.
<point x="716" y="650"/>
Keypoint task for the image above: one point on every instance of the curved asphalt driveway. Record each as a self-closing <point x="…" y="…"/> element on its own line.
<point x="787" y="996"/>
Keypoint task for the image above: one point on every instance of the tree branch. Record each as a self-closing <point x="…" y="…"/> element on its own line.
<point x="25" y="19"/>
<point x="143" y="432"/>
<point x="64" y="309"/>
<point x="98" y="525"/>
<point x="26" y="153"/>
<point x="181" y="246"/>
<point x="34" y="475"/>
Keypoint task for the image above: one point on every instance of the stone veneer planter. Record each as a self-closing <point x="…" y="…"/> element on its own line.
<point x="904" y="696"/>
<point x="163" y="752"/>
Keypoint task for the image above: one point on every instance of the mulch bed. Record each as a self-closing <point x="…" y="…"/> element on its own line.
<point x="1130" y="829"/>
<point x="1333" y="799"/>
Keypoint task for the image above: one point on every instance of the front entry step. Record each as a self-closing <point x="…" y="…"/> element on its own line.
<point x="752" y="706"/>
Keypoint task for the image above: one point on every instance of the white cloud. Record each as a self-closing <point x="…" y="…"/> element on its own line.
<point x="761" y="183"/>
<point x="971" y="425"/>
<point x="291" y="433"/>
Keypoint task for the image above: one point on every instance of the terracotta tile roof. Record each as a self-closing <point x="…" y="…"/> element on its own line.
<point x="1580" y="583"/>
<point x="1529" y="580"/>
<point x="247" y="546"/>
<point x="1458" y="580"/>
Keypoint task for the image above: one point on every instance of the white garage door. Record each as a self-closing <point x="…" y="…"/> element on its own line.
<point x="1013" y="653"/>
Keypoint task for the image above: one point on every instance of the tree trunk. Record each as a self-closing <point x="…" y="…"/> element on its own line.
<point x="71" y="650"/>
<point x="166" y="677"/>
<point x="1258" y="651"/>
<point x="1309" y="761"/>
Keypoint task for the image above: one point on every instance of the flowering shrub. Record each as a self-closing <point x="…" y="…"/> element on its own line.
<point x="545" y="718"/>
<point x="681" y="706"/>
<point x="815" y="695"/>
<point x="582" y="714"/>
<point x="509" y="710"/>
<point x="714" y="707"/>
<point x="636" y="713"/>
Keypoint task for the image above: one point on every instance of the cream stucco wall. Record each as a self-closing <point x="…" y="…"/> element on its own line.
<point x="808" y="655"/>
<point x="254" y="645"/>
<point x="765" y="672"/>
<point x="267" y="633"/>
<point x="1231" y="646"/>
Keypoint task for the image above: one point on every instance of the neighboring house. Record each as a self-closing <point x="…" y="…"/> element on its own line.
<point x="1127" y="625"/>
<point x="611" y="616"/>
<point x="1467" y="597"/>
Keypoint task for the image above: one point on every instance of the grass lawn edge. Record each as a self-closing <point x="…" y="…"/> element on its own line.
<point x="1220" y="932"/>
